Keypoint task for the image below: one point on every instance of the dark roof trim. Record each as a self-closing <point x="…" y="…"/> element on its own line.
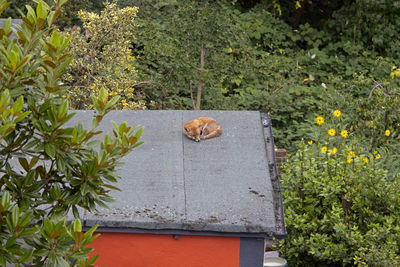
<point x="178" y="232"/>
<point x="277" y="196"/>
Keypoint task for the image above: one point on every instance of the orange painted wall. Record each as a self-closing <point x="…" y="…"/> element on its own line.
<point x="150" y="250"/>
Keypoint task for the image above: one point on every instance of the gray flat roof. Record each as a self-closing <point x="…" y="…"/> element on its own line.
<point x="172" y="183"/>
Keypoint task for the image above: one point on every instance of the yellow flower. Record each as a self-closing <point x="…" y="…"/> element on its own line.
<point x="387" y="132"/>
<point x="337" y="113"/>
<point x="365" y="160"/>
<point x="348" y="160"/>
<point x="352" y="154"/>
<point x="123" y="101"/>
<point x="324" y="149"/>
<point x="334" y="151"/>
<point x="378" y="156"/>
<point x="395" y="73"/>
<point x="230" y="49"/>
<point x="332" y="132"/>
<point x="320" y="120"/>
<point x="344" y="133"/>
<point x="310" y="142"/>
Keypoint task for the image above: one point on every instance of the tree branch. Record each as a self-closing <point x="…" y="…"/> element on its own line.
<point x="191" y="94"/>
<point x="201" y="69"/>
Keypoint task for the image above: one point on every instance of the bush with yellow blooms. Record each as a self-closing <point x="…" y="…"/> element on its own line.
<point x="342" y="208"/>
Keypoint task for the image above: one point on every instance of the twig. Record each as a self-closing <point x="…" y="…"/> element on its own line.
<point x="191" y="93"/>
<point x="200" y="85"/>
<point x="373" y="89"/>
<point x="164" y="90"/>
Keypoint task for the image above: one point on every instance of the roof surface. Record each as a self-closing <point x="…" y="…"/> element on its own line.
<point x="220" y="185"/>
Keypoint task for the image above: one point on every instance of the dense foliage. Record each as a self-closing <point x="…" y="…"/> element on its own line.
<point x="231" y="57"/>
<point x="103" y="58"/>
<point x="341" y="205"/>
<point x="283" y="57"/>
<point x="48" y="165"/>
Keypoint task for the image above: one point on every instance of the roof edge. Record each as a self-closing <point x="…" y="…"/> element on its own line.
<point x="179" y="232"/>
<point x="280" y="231"/>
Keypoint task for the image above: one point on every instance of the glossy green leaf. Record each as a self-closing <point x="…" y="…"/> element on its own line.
<point x="77" y="225"/>
<point x="40" y="11"/>
<point x="15" y="215"/>
<point x="7" y="25"/>
<point x="139" y="132"/>
<point x="5" y="200"/>
<point x="47" y="226"/>
<point x="55" y="39"/>
<point x="24" y="163"/>
<point x="50" y="150"/>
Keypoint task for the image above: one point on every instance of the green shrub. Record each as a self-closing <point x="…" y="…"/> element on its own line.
<point x="372" y="110"/>
<point x="103" y="58"/>
<point x="49" y="168"/>
<point x="341" y="207"/>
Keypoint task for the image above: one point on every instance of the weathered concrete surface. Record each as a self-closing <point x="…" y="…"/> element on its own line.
<point x="171" y="182"/>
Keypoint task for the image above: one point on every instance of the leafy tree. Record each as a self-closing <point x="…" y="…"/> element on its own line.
<point x="184" y="49"/>
<point x="48" y="167"/>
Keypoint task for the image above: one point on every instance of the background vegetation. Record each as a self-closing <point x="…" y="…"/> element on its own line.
<point x="288" y="58"/>
<point x="295" y="60"/>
